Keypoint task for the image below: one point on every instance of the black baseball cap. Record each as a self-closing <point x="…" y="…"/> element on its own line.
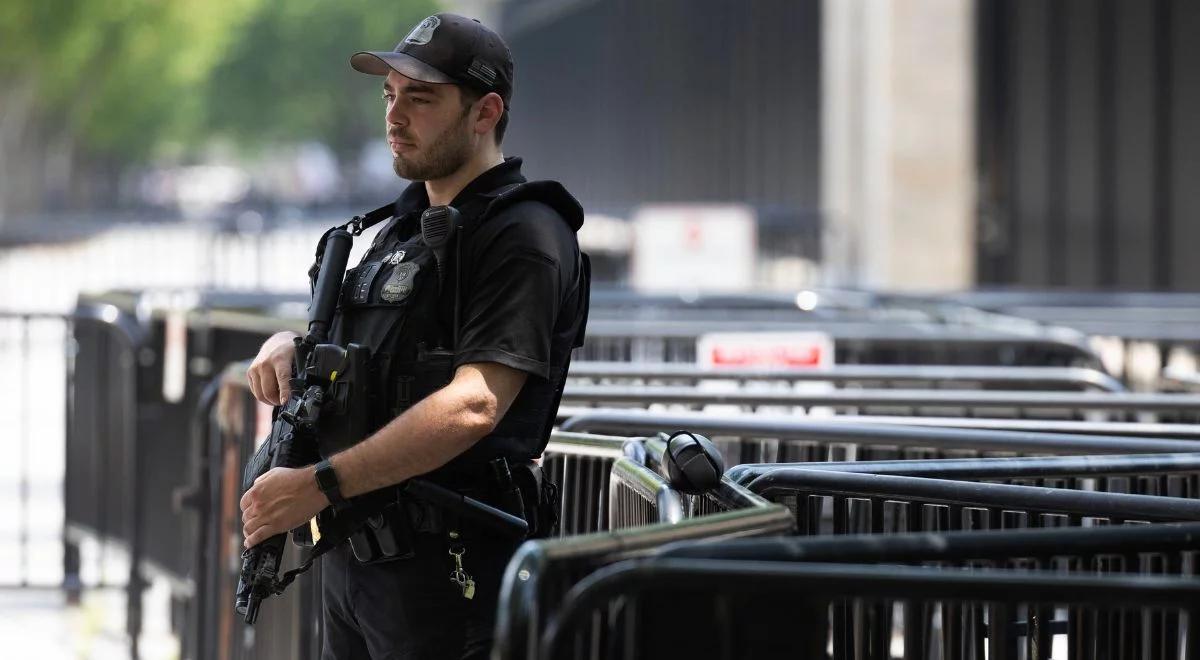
<point x="447" y="48"/>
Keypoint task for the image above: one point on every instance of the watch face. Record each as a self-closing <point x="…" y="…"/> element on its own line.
<point x="326" y="477"/>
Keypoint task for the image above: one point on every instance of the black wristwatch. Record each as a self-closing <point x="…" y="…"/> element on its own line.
<point x="327" y="481"/>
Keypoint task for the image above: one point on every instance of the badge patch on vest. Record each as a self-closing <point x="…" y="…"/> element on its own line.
<point x="394" y="258"/>
<point x="400" y="284"/>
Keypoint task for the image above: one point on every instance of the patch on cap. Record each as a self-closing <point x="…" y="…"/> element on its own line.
<point x="421" y="34"/>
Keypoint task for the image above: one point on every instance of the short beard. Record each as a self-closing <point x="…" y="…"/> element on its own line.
<point x="444" y="156"/>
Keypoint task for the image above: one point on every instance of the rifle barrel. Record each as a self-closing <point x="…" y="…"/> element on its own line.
<point x="329" y="284"/>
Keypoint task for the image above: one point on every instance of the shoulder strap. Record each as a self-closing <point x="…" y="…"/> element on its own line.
<point x="356" y="225"/>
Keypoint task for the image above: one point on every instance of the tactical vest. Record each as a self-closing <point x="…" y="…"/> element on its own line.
<point x="398" y="305"/>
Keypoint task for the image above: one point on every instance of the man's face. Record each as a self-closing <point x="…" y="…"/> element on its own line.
<point x="428" y="128"/>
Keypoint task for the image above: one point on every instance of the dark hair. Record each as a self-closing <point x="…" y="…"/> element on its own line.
<point x="470" y="95"/>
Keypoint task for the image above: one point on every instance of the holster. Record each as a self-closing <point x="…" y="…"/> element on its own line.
<point x="386" y="536"/>
<point x="540" y="497"/>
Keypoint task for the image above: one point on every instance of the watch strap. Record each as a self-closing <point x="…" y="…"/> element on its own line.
<point x="327" y="481"/>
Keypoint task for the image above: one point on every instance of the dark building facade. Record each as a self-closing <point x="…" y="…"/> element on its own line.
<point x="630" y="101"/>
<point x="1089" y="143"/>
<point x="1088" y="124"/>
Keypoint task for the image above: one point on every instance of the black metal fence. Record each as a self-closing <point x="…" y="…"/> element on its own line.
<point x="1156" y="407"/>
<point x="854" y="342"/>
<point x="674" y="607"/>
<point x="33" y="348"/>
<point x="868" y="376"/>
<point x="154" y="449"/>
<point x="580" y="465"/>
<point x="539" y="576"/>
<point x="1130" y="632"/>
<point x="754" y="439"/>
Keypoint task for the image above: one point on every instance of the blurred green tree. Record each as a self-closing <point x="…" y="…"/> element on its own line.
<point x="288" y="78"/>
<point x="91" y="88"/>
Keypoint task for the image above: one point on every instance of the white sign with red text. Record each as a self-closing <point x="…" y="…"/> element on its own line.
<point x="765" y="350"/>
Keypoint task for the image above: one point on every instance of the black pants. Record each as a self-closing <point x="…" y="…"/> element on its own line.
<point x="409" y="609"/>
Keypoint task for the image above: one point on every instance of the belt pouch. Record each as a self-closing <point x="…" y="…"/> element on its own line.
<point x="386" y="536"/>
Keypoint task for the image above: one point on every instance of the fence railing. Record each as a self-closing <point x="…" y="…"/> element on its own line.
<point x="33" y="348"/>
<point x="867" y="375"/>
<point x="629" y="419"/>
<point x="540" y="574"/>
<point x="752" y="439"/>
<point x="856" y="341"/>
<point x="638" y="496"/>
<point x="1147" y="549"/>
<point x="683" y="607"/>
<point x="880" y="504"/>
<point x="580" y="465"/>
<point x="170" y="498"/>
<point x="290" y="627"/>
<point x="1052" y="405"/>
<point x="1173" y="475"/>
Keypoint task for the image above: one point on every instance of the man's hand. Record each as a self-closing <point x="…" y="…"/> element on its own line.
<point x="269" y="372"/>
<point x="280" y="501"/>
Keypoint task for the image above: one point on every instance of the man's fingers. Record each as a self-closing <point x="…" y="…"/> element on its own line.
<point x="282" y="375"/>
<point x="251" y="526"/>
<point x="253" y="379"/>
<point x="256" y="533"/>
<point x="270" y="387"/>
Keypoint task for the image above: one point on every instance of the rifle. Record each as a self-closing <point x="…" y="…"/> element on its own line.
<point x="293" y="442"/>
<point x="328" y="379"/>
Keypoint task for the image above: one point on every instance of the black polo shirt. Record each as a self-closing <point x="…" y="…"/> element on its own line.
<point x="523" y="294"/>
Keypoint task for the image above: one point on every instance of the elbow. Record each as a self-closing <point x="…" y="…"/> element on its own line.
<point x="480" y="413"/>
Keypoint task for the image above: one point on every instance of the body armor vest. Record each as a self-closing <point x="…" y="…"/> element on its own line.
<point x="396" y="304"/>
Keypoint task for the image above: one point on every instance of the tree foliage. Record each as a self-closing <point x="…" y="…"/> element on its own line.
<point x="123" y="78"/>
<point x="288" y="77"/>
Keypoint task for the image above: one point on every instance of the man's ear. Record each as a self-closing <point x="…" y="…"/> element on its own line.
<point x="491" y="108"/>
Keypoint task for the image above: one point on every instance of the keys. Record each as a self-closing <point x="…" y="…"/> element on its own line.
<point x="458" y="576"/>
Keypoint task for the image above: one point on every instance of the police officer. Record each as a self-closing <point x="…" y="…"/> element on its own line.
<point x="469" y="344"/>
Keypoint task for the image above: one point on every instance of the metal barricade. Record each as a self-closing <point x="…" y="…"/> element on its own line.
<point x="580" y="464"/>
<point x="626" y="420"/>
<point x="641" y="492"/>
<point x="1119" y="550"/>
<point x="135" y="379"/>
<point x="638" y="496"/>
<point x="106" y="461"/>
<point x="1173" y="475"/>
<point x="228" y="426"/>
<point x="882" y="504"/>
<point x="757" y="439"/>
<point x="541" y="572"/>
<point x="1039" y="405"/>
<point x="861" y="375"/>
<point x="686" y="607"/>
<point x="33" y="350"/>
<point x="856" y="341"/>
<point x="1144" y="549"/>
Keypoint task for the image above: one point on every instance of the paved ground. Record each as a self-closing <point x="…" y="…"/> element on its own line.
<point x="37" y="624"/>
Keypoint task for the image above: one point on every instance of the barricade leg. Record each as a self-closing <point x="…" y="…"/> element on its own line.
<point x="72" y="583"/>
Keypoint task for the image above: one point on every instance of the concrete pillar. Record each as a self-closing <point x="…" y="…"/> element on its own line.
<point x="898" y="143"/>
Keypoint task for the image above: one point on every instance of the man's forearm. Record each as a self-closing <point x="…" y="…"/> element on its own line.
<point x="424" y="438"/>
